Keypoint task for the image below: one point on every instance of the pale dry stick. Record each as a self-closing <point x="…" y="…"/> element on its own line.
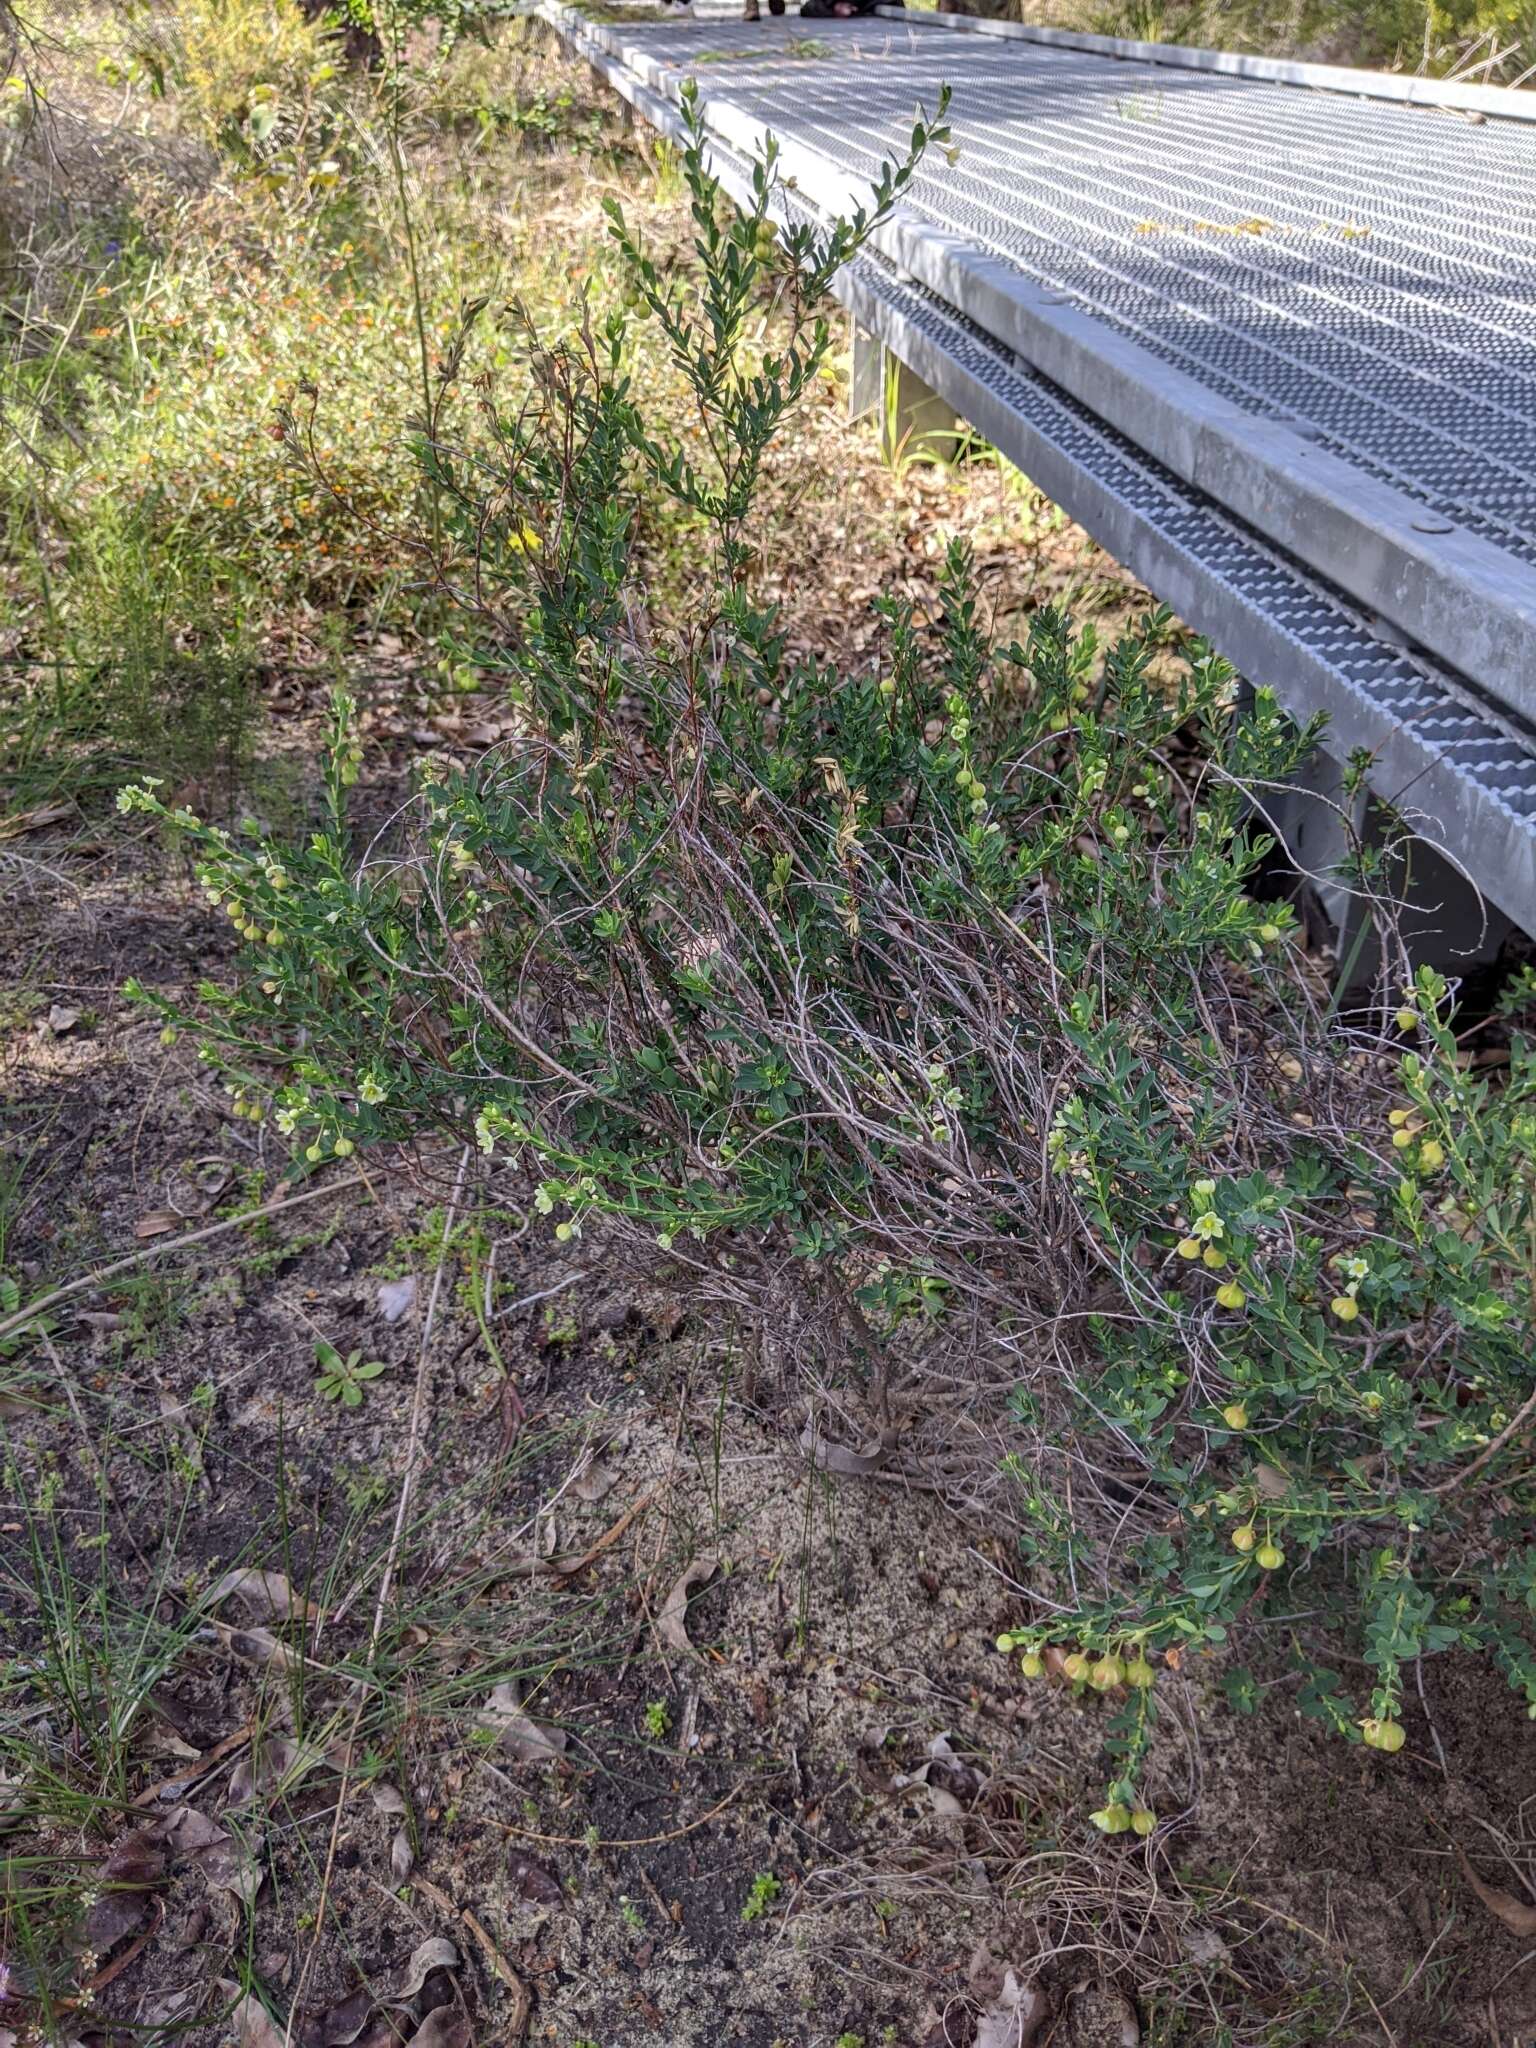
<point x="528" y="1300"/>
<point x="522" y="2004"/>
<point x="568" y="1568"/>
<point x="19" y="1319"/>
<point x="414" y="1439"/>
<point x="1488" y="1452"/>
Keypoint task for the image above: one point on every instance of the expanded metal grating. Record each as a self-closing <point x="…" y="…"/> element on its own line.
<point x="1389" y="303"/>
<point x="1440" y="748"/>
<point x="1390" y="684"/>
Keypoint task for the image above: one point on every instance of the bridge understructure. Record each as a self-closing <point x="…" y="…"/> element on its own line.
<point x="1266" y="330"/>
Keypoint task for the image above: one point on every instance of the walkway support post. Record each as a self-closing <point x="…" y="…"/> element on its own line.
<point x="915" y="423"/>
<point x="1324" y="825"/>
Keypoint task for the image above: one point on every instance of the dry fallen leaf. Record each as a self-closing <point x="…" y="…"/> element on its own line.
<point x="258" y="1646"/>
<point x="595" y="1478"/>
<point x="228" y="1863"/>
<point x="533" y="1880"/>
<point x="402" y="1856"/>
<point x="517" y="1734"/>
<point x="436" y="1953"/>
<point x="672" y="1622"/>
<point x="62" y="1017"/>
<point x="834" y="1458"/>
<point x="252" y="2025"/>
<point x="156" y="1222"/>
<point x="134" y="1866"/>
<point x="1516" y="1915"/>
<point x="36" y="820"/>
<point x="340" y="2024"/>
<point x="445" y="2028"/>
<point x="13" y="1801"/>
<point x="275" y="1764"/>
<point x="1014" y="2017"/>
<point x="396" y="1296"/>
<point x="265" y="1596"/>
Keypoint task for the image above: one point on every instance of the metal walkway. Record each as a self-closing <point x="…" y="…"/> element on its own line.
<point x="1271" y="339"/>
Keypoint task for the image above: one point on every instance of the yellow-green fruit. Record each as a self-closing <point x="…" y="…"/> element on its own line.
<point x="1213" y="1255"/>
<point x="1032" y="1664"/>
<point x="1345" y="1307"/>
<point x="1270" y="1556"/>
<point x="1431" y="1154"/>
<point x="1231" y="1295"/>
<point x="1384" y="1735"/>
<point x="1244" y="1537"/>
<point x="1075" y="1666"/>
<point x="1107" y="1674"/>
<point x="1402" y="1139"/>
<point x="1112" y="1820"/>
<point x="1140" y="1674"/>
<point x="1005" y="1644"/>
<point x="343" y="1148"/>
<point x="1143" y="1820"/>
<point x="1189" y="1247"/>
<point x="1406" y="1019"/>
<point x="1235" y="1415"/>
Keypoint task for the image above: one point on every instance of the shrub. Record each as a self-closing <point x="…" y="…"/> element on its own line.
<point x="926" y="1018"/>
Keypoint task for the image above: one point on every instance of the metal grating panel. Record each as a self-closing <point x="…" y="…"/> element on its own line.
<point x="1411" y="346"/>
<point x="1440" y="749"/>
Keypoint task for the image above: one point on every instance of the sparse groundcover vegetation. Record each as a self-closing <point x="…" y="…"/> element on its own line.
<point x="923" y="1010"/>
<point x="161" y="544"/>
<point x="732" y="1345"/>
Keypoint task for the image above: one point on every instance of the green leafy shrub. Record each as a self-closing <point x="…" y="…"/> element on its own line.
<point x="926" y="1018"/>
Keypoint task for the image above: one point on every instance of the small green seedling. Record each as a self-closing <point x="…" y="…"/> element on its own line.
<point x="341" y="1379"/>
<point x="765" y="1889"/>
<point x="658" y="1720"/>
